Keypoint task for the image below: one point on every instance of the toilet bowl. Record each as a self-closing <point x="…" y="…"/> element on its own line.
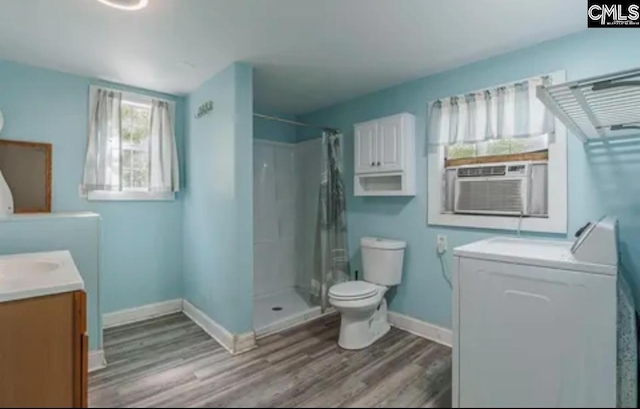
<point x="361" y="304"/>
<point x="363" y="311"/>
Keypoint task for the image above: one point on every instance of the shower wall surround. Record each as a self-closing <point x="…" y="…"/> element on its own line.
<point x="274" y="203"/>
<point x="286" y="188"/>
<point x="308" y="178"/>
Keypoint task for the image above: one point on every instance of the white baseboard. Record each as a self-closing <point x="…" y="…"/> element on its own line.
<point x="235" y="344"/>
<point x="422" y="329"/>
<point x="293" y="322"/>
<point x="118" y="318"/>
<point x="97" y="360"/>
<point x="244" y="343"/>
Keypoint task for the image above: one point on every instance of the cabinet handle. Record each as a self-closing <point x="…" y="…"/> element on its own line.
<point x="373" y="164"/>
<point x="378" y="163"/>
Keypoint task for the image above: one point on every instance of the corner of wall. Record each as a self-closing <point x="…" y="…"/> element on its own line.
<point x="218" y="204"/>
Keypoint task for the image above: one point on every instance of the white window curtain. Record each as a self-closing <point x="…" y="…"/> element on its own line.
<point x="164" y="176"/>
<point x="101" y="169"/>
<point x="511" y="111"/>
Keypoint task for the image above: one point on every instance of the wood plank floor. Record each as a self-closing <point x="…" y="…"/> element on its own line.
<point x="170" y="362"/>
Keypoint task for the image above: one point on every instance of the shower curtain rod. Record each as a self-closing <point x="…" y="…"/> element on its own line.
<point x="286" y="121"/>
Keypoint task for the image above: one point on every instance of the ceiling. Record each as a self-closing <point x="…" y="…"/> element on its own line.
<point x="308" y="54"/>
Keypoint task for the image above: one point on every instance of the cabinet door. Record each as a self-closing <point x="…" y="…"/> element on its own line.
<point x="36" y="352"/>
<point x="80" y="351"/>
<point x="365" y="147"/>
<point x="390" y="146"/>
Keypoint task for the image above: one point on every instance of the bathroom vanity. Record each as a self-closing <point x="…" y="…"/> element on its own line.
<point x="44" y="343"/>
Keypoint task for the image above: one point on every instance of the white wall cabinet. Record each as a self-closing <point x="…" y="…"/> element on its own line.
<point x="385" y="157"/>
<point x="366" y="147"/>
<point x="390" y="144"/>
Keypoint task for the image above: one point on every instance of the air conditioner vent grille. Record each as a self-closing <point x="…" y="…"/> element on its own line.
<point x="482" y="171"/>
<point x="502" y="195"/>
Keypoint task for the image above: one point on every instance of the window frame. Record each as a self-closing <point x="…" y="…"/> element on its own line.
<point x="130" y="194"/>
<point x="479" y="155"/>
<point x="133" y="148"/>
<point x="557" y="188"/>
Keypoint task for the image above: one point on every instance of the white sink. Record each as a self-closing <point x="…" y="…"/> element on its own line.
<point x="19" y="269"/>
<point x="38" y="274"/>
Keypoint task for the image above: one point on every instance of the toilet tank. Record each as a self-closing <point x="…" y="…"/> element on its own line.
<point x="382" y="260"/>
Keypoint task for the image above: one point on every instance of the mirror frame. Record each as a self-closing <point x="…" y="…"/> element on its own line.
<point x="47" y="148"/>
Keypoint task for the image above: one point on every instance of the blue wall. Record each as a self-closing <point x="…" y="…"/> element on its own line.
<point x="79" y="234"/>
<point x="142" y="241"/>
<point x="143" y="250"/>
<point x="608" y="184"/>
<point x="275" y="131"/>
<point x="218" y="200"/>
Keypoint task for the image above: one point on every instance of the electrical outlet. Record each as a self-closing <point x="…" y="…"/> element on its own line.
<point x="442" y="245"/>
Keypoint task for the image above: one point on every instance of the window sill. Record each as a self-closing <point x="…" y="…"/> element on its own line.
<point x="514" y="157"/>
<point x="130" y="196"/>
<point x="530" y="224"/>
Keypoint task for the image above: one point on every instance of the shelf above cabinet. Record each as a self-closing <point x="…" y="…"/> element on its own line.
<point x="383" y="185"/>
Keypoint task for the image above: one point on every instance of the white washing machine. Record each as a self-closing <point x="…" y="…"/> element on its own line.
<point x="534" y="321"/>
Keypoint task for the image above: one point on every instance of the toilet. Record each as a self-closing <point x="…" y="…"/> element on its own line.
<point x="361" y="304"/>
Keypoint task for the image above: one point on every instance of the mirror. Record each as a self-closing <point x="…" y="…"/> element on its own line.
<point x="26" y="167"/>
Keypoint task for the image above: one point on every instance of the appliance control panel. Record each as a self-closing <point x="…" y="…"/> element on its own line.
<point x="597" y="243"/>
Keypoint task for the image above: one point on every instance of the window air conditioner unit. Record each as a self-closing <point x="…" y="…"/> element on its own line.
<point x="493" y="189"/>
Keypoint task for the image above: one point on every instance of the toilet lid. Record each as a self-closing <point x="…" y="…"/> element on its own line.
<point x="353" y="290"/>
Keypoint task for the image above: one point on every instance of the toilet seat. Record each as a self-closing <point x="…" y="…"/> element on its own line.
<point x="354" y="291"/>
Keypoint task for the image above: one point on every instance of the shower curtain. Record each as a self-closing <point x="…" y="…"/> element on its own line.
<point x="333" y="266"/>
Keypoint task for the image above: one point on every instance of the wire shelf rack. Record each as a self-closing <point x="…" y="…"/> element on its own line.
<point x="598" y="109"/>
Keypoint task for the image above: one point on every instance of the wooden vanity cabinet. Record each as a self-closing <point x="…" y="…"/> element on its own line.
<point x="44" y="351"/>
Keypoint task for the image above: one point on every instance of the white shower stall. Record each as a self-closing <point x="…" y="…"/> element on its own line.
<point x="286" y="232"/>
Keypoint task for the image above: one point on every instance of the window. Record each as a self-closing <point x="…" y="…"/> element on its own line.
<point x="131" y="151"/>
<point x="501" y="147"/>
<point x="487" y="139"/>
<point x="136" y="128"/>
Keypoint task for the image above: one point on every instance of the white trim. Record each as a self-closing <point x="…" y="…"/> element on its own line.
<point x="558" y="191"/>
<point x="215" y="330"/>
<point x="244" y="343"/>
<point x="235" y="344"/>
<point x="28" y="217"/>
<point x="455" y="314"/>
<point x="274" y="143"/>
<point x="293" y="322"/>
<point x="422" y="329"/>
<point x="145" y="312"/>
<point x="130" y="195"/>
<point x="97" y="360"/>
